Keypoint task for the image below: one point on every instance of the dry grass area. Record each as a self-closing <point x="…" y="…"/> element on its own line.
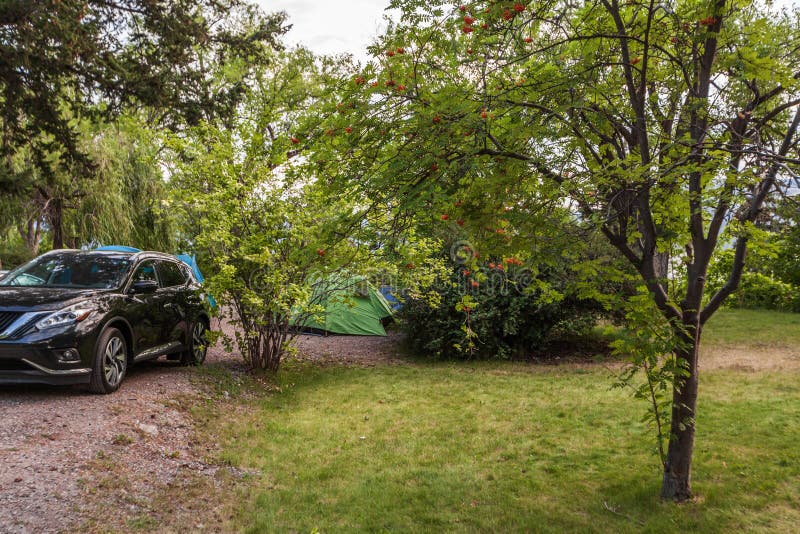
<point x="751" y="340"/>
<point x="766" y="358"/>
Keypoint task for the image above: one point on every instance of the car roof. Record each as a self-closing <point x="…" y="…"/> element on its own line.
<point x="135" y="256"/>
<point x="154" y="255"/>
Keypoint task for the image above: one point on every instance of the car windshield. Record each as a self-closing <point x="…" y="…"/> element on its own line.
<point x="71" y="269"/>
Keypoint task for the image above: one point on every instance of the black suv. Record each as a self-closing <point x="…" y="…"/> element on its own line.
<point x="78" y="317"/>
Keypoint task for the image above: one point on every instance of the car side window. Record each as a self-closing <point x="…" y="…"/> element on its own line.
<point x="171" y="274"/>
<point x="145" y="272"/>
<point x="187" y="272"/>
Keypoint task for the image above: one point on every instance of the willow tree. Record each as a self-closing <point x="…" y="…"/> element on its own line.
<point x="663" y="125"/>
<point x="65" y="62"/>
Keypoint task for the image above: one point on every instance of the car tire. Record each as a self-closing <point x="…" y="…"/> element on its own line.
<point x="110" y="362"/>
<point x="198" y="346"/>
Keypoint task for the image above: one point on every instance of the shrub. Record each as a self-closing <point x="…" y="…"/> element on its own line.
<point x="761" y="286"/>
<point x="509" y="314"/>
<point x="760" y="291"/>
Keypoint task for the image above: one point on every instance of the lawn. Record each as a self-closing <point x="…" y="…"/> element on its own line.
<point x="753" y="328"/>
<point x="512" y="447"/>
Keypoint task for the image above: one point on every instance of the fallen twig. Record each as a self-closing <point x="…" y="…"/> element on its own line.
<point x="626" y="516"/>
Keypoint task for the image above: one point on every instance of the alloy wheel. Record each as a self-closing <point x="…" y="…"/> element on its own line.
<point x="114" y="361"/>
<point x="199" y="347"/>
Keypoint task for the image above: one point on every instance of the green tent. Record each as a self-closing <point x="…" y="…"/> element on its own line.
<point x="352" y="306"/>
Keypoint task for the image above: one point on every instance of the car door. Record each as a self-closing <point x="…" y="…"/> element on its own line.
<point x="173" y="289"/>
<point x="145" y="311"/>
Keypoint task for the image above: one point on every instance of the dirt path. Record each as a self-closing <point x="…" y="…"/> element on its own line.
<point x="351" y="350"/>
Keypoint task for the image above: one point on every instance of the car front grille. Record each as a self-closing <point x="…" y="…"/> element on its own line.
<point x="7" y="318"/>
<point x="28" y="327"/>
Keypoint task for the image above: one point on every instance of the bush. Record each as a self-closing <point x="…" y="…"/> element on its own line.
<point x="759" y="291"/>
<point x="763" y="286"/>
<point x="508" y="315"/>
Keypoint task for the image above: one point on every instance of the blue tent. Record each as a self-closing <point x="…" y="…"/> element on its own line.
<point x="191" y="261"/>
<point x="389" y="295"/>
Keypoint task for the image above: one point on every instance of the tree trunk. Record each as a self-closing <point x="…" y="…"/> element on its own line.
<point x="266" y="347"/>
<point x="56" y="220"/>
<point x="31" y="234"/>
<point x="676" y="484"/>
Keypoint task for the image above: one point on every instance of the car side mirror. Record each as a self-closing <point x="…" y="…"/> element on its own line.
<point x="141" y="287"/>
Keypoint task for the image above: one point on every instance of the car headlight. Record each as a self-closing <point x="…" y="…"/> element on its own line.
<point x="73" y="314"/>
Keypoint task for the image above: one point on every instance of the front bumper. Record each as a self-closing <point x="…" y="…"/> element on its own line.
<point x="27" y="364"/>
<point x="33" y="358"/>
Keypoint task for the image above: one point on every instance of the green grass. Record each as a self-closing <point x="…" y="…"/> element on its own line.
<point x="753" y="328"/>
<point x="508" y="447"/>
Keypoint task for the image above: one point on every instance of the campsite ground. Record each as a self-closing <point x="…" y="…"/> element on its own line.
<point x="355" y="435"/>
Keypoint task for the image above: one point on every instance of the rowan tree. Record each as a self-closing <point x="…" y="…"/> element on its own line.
<point x="660" y="125"/>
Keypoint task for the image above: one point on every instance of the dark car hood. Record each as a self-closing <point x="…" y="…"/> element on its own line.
<point x="42" y="298"/>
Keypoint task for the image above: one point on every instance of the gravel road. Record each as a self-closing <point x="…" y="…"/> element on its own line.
<point x="65" y="452"/>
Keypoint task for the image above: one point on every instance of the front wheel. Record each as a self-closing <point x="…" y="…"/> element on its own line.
<point x="110" y="362"/>
<point x="198" y="346"/>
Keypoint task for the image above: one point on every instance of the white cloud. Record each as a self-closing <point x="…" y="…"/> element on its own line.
<point x="332" y="26"/>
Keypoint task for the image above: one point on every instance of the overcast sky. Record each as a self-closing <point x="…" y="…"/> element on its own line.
<point x="345" y="26"/>
<point x="332" y="26"/>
